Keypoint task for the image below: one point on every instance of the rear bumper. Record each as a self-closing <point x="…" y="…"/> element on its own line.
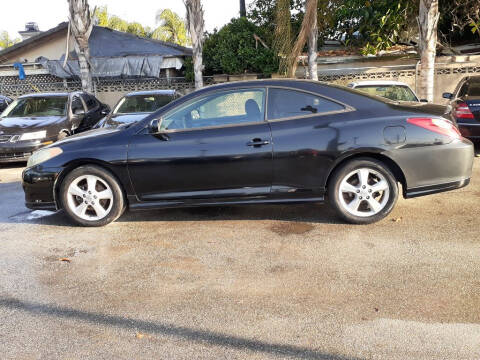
<point x="470" y="130"/>
<point x="435" y="168"/>
<point x="434" y="189"/>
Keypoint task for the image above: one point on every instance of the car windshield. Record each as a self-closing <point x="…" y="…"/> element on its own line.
<point x="392" y="92"/>
<point x="37" y="107"/>
<point x="142" y="103"/>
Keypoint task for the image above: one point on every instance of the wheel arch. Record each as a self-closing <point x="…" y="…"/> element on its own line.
<point x="68" y="168"/>
<point x="389" y="162"/>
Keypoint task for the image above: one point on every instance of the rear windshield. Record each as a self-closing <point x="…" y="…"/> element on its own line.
<point x="474" y="89"/>
<point x="37" y="107"/>
<point x="392" y="92"/>
<point x="142" y="104"/>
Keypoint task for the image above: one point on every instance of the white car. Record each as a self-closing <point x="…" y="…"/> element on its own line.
<point x="393" y="90"/>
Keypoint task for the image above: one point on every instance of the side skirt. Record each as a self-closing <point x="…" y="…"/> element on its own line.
<point x="134" y="204"/>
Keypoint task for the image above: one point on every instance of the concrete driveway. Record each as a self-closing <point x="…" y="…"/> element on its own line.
<point x="242" y="282"/>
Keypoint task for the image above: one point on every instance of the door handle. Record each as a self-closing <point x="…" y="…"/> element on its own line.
<point x="258" y="142"/>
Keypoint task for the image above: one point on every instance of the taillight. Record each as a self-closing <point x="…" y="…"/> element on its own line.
<point x="440" y="126"/>
<point x="462" y="111"/>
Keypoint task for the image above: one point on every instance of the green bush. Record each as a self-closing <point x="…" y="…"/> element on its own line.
<point x="233" y="50"/>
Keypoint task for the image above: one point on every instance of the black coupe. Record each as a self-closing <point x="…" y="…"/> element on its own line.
<point x="271" y="141"/>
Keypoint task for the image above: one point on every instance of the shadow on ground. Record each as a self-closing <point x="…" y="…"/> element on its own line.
<point x="179" y="332"/>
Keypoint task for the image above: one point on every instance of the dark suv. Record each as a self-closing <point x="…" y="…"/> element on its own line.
<point x="36" y="120"/>
<point x="465" y="102"/>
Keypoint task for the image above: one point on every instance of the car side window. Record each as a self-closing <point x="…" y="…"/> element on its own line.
<point x="463" y="90"/>
<point x="77" y="104"/>
<point x="284" y="103"/>
<point x="219" y="109"/>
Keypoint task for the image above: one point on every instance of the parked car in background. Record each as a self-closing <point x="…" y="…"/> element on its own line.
<point x="36" y="120"/>
<point x="393" y="90"/>
<point x="465" y="102"/>
<point x="135" y="106"/>
<point x="269" y="141"/>
<point x="4" y="102"/>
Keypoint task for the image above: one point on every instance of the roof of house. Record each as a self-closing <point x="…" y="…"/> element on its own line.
<point x="105" y="42"/>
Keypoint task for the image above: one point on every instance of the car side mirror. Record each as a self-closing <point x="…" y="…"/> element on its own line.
<point x="155" y="126"/>
<point x="447" y="95"/>
<point x="424" y="100"/>
<point x="105" y="110"/>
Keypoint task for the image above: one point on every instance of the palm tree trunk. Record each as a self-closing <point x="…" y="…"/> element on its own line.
<point x="427" y="23"/>
<point x="81" y="26"/>
<point x="313" y="46"/>
<point x="85" y="70"/>
<point x="243" y="9"/>
<point x="308" y="29"/>
<point x="195" y="27"/>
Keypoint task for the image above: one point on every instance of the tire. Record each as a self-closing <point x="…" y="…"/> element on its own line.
<point x="91" y="196"/>
<point x="363" y="202"/>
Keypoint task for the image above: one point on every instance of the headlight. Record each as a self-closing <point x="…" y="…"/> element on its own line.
<point x="43" y="155"/>
<point x="33" y="135"/>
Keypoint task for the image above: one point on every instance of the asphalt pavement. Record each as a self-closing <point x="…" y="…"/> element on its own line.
<point x="246" y="282"/>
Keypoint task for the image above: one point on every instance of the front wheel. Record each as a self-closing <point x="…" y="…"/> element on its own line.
<point x="363" y="191"/>
<point x="92" y="196"/>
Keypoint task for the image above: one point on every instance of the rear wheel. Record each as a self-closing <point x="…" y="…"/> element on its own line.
<point x="91" y="196"/>
<point x="363" y="191"/>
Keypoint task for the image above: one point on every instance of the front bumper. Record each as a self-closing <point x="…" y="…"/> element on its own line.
<point x="39" y="187"/>
<point x="19" y="151"/>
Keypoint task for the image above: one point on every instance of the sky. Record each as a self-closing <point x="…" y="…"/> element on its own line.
<point x="49" y="13"/>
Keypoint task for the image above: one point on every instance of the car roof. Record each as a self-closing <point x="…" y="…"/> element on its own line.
<point x="379" y="83"/>
<point x="472" y="79"/>
<point x="47" y="94"/>
<point x="152" y="92"/>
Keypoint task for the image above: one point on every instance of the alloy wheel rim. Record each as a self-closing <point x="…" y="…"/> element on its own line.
<point x="90" y="198"/>
<point x="364" y="192"/>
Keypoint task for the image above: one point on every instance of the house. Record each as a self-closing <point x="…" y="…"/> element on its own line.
<point x="115" y="56"/>
<point x="106" y="45"/>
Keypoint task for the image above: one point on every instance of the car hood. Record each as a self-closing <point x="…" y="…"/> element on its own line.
<point x="87" y="135"/>
<point x="20" y="125"/>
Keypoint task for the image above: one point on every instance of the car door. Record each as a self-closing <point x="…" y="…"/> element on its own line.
<point x="214" y="146"/>
<point x="306" y="140"/>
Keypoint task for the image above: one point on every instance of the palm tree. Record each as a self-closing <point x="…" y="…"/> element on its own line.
<point x="81" y="25"/>
<point x="282" y="41"/>
<point x="427" y="24"/>
<point x="308" y="32"/>
<point x="196" y="25"/>
<point x="172" y="28"/>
